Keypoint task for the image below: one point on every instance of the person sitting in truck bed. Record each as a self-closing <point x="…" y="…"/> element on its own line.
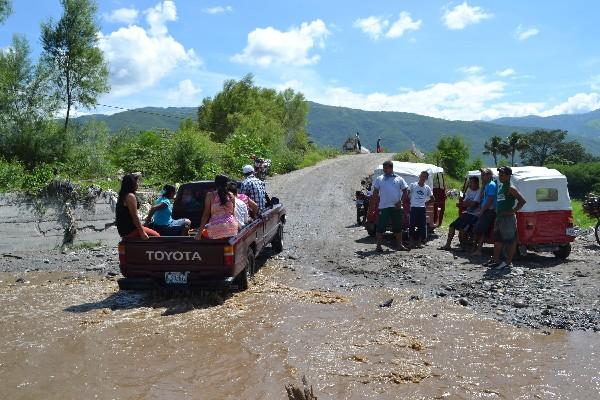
<point x="218" y="216"/>
<point x="127" y="219"/>
<point x="254" y="188"/>
<point x="160" y="215"/>
<point x="245" y="207"/>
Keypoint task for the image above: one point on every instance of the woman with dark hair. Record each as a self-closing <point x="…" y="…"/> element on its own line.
<point x="218" y="216"/>
<point x="127" y="219"/>
<point x="161" y="215"/>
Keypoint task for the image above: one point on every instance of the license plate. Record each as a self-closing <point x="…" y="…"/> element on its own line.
<point x="176" y="278"/>
<point x="571" y="231"/>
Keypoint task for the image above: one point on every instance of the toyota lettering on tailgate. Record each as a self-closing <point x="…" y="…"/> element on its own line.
<point x="158" y="255"/>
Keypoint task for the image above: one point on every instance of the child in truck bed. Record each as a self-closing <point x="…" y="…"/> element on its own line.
<point x="160" y="215"/>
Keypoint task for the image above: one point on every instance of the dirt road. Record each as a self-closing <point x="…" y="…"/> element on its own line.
<point x="68" y="333"/>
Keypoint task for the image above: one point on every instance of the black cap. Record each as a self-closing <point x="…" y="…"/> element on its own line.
<point x="505" y="170"/>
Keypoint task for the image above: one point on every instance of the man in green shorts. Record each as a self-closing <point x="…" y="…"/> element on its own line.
<point x="505" y="229"/>
<point x="391" y="189"/>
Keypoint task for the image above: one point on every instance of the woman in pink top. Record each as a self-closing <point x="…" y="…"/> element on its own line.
<point x="218" y="216"/>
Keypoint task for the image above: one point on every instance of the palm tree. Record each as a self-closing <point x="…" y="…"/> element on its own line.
<point x="515" y="142"/>
<point x="494" y="147"/>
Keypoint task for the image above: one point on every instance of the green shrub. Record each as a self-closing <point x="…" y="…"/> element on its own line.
<point x="192" y="156"/>
<point x="582" y="178"/>
<point x="11" y="175"/>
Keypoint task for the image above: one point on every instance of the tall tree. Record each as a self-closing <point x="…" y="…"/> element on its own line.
<point x="26" y="107"/>
<point x="5" y="10"/>
<point x="71" y="51"/>
<point x="515" y="142"/>
<point x="494" y="147"/>
<point x="542" y="144"/>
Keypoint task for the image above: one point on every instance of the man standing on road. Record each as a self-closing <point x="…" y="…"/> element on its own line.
<point x="420" y="195"/>
<point x="358" y="146"/>
<point x="505" y="230"/>
<point x="487" y="209"/>
<point x="254" y="188"/>
<point x="379" y="149"/>
<point x="391" y="189"/>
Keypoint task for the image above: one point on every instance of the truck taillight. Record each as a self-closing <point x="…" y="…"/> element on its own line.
<point x="570" y="222"/>
<point x="121" y="254"/>
<point x="228" y="255"/>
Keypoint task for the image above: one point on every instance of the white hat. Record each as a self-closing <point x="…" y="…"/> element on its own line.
<point x="248" y="169"/>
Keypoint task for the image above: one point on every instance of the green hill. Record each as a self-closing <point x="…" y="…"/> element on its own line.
<point x="330" y="126"/>
<point x="587" y="124"/>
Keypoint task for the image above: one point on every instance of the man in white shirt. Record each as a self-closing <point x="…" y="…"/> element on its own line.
<point x="468" y="218"/>
<point x="420" y="195"/>
<point x="391" y="189"/>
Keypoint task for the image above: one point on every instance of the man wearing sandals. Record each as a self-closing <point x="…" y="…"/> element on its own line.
<point x="391" y="189"/>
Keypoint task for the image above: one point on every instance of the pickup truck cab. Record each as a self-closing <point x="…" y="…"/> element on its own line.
<point x="207" y="263"/>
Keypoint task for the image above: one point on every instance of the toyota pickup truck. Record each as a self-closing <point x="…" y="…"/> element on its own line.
<point x="182" y="261"/>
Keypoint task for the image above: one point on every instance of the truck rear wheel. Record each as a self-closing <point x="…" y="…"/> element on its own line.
<point x="563" y="252"/>
<point x="243" y="279"/>
<point x="277" y="241"/>
<point x="370" y="229"/>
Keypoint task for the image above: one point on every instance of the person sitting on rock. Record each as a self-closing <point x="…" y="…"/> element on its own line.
<point x="161" y="215"/>
<point x="468" y="218"/>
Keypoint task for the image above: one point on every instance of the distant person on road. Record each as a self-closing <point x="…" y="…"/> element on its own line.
<point x="244" y="205"/>
<point x="391" y="189"/>
<point x="379" y="149"/>
<point x="505" y="229"/>
<point x="218" y="217"/>
<point x="420" y="195"/>
<point x="358" y="146"/>
<point x="468" y="218"/>
<point x="127" y="219"/>
<point x="487" y="209"/>
<point x="254" y="188"/>
<point x="161" y="215"/>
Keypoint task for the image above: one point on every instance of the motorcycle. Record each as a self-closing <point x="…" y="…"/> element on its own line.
<point x="362" y="205"/>
<point x="261" y="167"/>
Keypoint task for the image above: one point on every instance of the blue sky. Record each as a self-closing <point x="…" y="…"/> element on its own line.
<point x="454" y="60"/>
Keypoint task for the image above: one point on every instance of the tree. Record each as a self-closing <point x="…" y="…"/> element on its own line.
<point x="494" y="147"/>
<point x="542" y="145"/>
<point x="5" y="10"/>
<point x="453" y="153"/>
<point x="70" y="50"/>
<point x="26" y="108"/>
<point x="515" y="142"/>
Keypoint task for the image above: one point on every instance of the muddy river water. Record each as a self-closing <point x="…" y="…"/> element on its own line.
<point x="79" y="338"/>
<point x="66" y="335"/>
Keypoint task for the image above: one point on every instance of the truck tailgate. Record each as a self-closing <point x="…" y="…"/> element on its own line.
<point x="174" y="252"/>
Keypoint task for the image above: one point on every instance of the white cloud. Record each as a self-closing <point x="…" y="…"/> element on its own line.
<point x="375" y="26"/>
<point x="158" y="17"/>
<point x="185" y="94"/>
<point x="463" y="15"/>
<point x="473" y="98"/>
<point x="506" y="72"/>
<point x="267" y="46"/>
<point x="122" y="15"/>
<point x="579" y="103"/>
<point x="471" y="70"/>
<point x="521" y="33"/>
<point x="403" y="24"/>
<point x="218" y="9"/>
<point x="139" y="58"/>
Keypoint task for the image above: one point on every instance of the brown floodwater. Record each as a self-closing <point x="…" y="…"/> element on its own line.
<point x="65" y="337"/>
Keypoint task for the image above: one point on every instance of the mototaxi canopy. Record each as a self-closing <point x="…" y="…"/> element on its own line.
<point x="544" y="189"/>
<point x="411" y="171"/>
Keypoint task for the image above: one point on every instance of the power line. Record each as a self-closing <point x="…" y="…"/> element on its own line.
<point x="146" y="112"/>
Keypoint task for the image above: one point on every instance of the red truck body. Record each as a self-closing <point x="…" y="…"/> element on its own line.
<point x="206" y="263"/>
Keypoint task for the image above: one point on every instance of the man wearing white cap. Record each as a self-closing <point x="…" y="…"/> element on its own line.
<point x="254" y="188"/>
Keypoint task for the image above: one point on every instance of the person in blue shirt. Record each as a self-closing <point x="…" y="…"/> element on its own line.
<point x="160" y="215"/>
<point x="487" y="209"/>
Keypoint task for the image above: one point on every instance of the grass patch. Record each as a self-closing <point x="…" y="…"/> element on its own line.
<point x="317" y="155"/>
<point x="580" y="218"/>
<point x="86" y="245"/>
<point x="451" y="212"/>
